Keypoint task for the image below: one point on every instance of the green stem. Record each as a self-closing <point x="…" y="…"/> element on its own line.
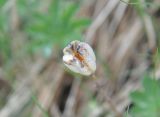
<point x="138" y="3"/>
<point x="40" y="106"/>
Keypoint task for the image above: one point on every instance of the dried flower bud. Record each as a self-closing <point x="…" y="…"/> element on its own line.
<point x="80" y="58"/>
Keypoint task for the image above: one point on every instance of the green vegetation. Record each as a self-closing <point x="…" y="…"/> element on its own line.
<point x="146" y="102"/>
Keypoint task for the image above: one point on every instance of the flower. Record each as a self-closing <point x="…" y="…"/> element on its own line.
<point x="80" y="58"/>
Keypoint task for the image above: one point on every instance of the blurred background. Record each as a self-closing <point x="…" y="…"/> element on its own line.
<point x="124" y="35"/>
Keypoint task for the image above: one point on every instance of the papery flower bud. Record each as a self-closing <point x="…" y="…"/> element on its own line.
<point x="80" y="58"/>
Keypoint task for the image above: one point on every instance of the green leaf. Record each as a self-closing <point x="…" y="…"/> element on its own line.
<point x="2" y="2"/>
<point x="58" y="26"/>
<point x="54" y="9"/>
<point x="140" y="7"/>
<point x="147" y="101"/>
<point x="81" y="23"/>
<point x="69" y="12"/>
